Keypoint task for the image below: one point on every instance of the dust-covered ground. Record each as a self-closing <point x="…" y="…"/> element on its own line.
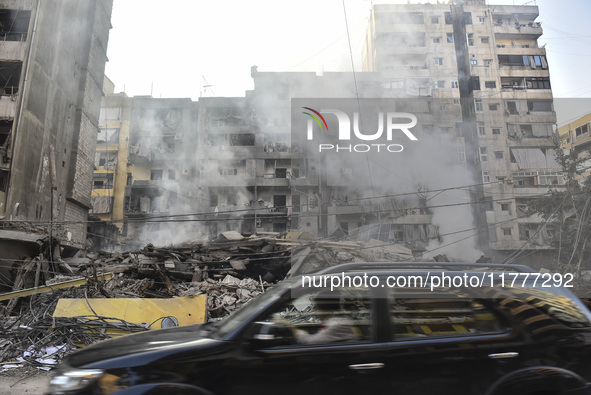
<point x="30" y="381"/>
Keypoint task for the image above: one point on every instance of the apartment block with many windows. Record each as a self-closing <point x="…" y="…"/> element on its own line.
<point x="498" y="73"/>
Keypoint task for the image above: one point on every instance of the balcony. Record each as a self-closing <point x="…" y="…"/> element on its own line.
<point x="309" y="181"/>
<point x="520" y="50"/>
<point x="506" y="31"/>
<point x="155" y="187"/>
<point x="8" y="106"/>
<point x="269" y="180"/>
<point x="13" y="50"/>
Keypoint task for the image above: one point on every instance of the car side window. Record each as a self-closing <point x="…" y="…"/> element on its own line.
<point x="325" y="317"/>
<point x="414" y="314"/>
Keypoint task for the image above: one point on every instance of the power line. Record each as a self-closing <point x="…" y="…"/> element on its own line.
<point x="252" y="210"/>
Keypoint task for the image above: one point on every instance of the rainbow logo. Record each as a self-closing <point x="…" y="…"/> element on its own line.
<point x="316" y="119"/>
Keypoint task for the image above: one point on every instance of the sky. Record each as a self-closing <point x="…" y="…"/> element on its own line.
<point x="202" y="48"/>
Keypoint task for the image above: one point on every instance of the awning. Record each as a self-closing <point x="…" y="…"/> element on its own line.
<point x="535" y="158"/>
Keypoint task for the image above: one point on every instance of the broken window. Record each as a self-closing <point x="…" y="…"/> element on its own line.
<point x="447" y="18"/>
<point x="108" y="135"/>
<point x="213" y="199"/>
<point x="511" y="107"/>
<point x="106" y="159"/>
<point x="107" y="114"/>
<point x="242" y="139"/>
<point x="279" y="201"/>
<point x="507" y="231"/>
<point x="4" y="180"/>
<point x="527" y="231"/>
<point x="505" y="206"/>
<point x="280" y="173"/>
<point x="539" y="105"/>
<point x="522" y="209"/>
<point x="5" y="129"/>
<point x="490" y="84"/>
<point x="14" y="25"/>
<point x="295" y="203"/>
<point x="475" y="83"/>
<point x="10" y="75"/>
<point x="470" y="39"/>
<point x="467" y="18"/>
<point x="450" y="38"/>
<point x="486" y="203"/>
<point x="232" y="199"/>
<point x="496" y="131"/>
<point x="102" y="181"/>
<point x="156" y="175"/>
<point x="230" y="168"/>
<point x="513" y="60"/>
<point x="493" y="106"/>
<point x="526" y="130"/>
<point x="498" y="154"/>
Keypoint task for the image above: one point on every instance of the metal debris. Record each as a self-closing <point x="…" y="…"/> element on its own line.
<point x="229" y="271"/>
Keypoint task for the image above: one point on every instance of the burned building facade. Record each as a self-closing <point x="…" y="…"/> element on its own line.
<point x="53" y="58"/>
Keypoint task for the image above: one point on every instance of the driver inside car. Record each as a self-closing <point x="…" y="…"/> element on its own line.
<point x="334" y="324"/>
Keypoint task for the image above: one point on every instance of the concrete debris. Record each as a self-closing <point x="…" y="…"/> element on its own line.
<point x="229" y="271"/>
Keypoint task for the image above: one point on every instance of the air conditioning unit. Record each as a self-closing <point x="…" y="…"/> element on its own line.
<point x="178" y="136"/>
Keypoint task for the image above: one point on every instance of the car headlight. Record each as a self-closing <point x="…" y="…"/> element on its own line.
<point x="71" y="380"/>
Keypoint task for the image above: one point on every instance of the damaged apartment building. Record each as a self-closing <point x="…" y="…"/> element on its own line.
<point x="52" y="64"/>
<point x="257" y="177"/>
<point x="474" y="76"/>
<point x="489" y="58"/>
<point x="146" y="150"/>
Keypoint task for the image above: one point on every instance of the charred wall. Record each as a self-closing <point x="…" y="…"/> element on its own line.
<point x="53" y="139"/>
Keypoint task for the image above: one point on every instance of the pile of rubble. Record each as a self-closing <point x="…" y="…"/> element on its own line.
<point x="230" y="271"/>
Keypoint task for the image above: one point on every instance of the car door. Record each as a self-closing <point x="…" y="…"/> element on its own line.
<point x="445" y="343"/>
<point x="284" y="365"/>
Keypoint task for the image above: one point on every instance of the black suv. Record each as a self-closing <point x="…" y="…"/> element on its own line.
<point x="371" y="328"/>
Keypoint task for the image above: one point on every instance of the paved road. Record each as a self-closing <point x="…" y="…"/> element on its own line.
<point x="20" y="383"/>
